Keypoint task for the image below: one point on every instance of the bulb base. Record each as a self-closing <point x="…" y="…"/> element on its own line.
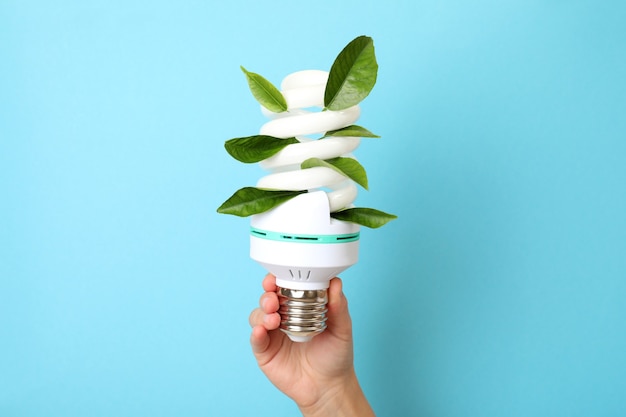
<point x="302" y="313"/>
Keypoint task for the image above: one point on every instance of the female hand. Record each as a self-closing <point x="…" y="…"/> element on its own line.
<point x="318" y="375"/>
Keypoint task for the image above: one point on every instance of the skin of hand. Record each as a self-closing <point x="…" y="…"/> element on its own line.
<point x="318" y="375"/>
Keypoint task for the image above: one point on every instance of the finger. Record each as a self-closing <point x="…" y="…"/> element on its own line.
<point x="269" y="302"/>
<point x="339" y="322"/>
<point x="269" y="321"/>
<point x="266" y="344"/>
<point x="256" y="317"/>
<point x="259" y="340"/>
<point x="269" y="283"/>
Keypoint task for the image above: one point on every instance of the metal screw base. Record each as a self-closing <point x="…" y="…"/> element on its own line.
<point x="302" y="313"/>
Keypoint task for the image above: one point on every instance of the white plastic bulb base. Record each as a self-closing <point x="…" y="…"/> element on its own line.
<point x="304" y="248"/>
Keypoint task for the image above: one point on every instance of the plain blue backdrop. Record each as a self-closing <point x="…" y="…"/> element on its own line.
<point x="499" y="291"/>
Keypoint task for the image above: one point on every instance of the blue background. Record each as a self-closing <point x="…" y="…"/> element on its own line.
<point x="499" y="291"/>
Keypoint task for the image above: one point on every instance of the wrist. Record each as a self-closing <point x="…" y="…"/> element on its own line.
<point x="346" y="399"/>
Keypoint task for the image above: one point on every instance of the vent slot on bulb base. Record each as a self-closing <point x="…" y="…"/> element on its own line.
<point x="300" y="275"/>
<point x="302" y="313"/>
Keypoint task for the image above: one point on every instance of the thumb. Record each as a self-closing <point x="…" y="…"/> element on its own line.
<point x="339" y="322"/>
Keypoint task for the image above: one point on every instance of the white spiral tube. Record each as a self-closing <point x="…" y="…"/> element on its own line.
<point x="304" y="93"/>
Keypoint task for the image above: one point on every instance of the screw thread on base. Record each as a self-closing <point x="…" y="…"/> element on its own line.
<point x="302" y="313"/>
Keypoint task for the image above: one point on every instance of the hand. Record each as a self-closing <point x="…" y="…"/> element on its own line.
<point x="318" y="375"/>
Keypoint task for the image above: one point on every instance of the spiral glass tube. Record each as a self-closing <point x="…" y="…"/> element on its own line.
<point x="304" y="93"/>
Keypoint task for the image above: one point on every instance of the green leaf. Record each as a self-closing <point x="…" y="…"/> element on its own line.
<point x="265" y="92"/>
<point x="349" y="167"/>
<point x="352" y="130"/>
<point x="352" y="75"/>
<point x="251" y="200"/>
<point x="256" y="148"/>
<point x="364" y="216"/>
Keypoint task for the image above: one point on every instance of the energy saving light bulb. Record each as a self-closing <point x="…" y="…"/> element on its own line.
<point x="304" y="228"/>
<point x="298" y="241"/>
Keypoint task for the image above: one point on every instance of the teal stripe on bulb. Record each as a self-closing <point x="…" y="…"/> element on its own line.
<point x="300" y="238"/>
